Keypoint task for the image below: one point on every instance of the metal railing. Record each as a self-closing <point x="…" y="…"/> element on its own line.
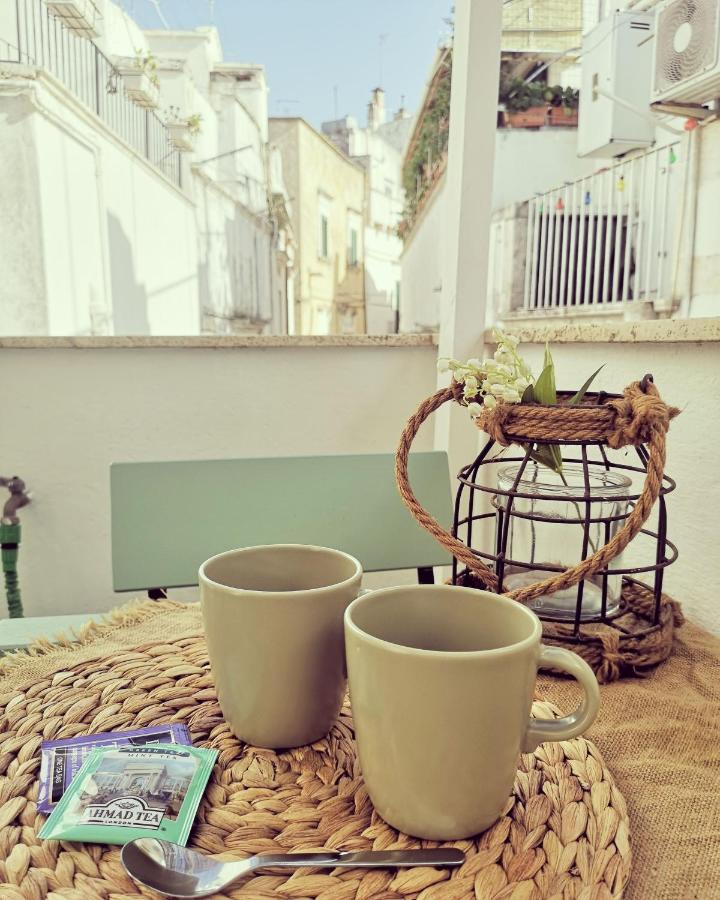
<point x="41" y="39"/>
<point x="605" y="239"/>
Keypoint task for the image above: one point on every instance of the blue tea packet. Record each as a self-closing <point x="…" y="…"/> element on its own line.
<point x="61" y="760"/>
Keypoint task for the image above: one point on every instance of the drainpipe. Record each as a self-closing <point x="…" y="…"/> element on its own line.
<point x="692" y="178"/>
<point x="10" y="542"/>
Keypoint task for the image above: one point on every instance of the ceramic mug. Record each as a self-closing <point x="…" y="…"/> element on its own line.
<point x="441" y="685"/>
<point x="273" y="619"/>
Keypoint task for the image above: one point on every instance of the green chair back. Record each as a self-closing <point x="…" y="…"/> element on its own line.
<point x="168" y="517"/>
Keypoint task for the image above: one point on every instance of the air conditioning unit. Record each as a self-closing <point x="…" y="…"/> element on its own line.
<point x="687" y="39"/>
<point x="616" y="80"/>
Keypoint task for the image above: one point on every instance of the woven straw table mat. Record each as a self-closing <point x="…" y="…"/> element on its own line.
<point x="563" y="833"/>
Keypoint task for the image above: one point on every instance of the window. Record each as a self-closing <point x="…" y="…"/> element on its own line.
<point x="324" y="242"/>
<point x="353" y="247"/>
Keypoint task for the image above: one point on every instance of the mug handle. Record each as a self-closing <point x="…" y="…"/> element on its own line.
<point x="570" y="726"/>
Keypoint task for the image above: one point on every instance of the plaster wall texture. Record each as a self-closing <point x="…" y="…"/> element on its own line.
<point x="76" y="411"/>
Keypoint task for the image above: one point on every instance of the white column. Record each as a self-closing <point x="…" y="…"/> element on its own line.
<point x="468" y="208"/>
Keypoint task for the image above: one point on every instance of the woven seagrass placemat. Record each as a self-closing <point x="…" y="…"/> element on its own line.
<point x="563" y="832"/>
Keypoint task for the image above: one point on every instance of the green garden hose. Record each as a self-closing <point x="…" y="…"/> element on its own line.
<point x="9" y="542"/>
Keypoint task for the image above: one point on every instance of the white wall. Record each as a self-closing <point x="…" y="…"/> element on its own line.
<point x="706" y="255"/>
<point x="422" y="266"/>
<point x="23" y="308"/>
<point x="687" y="375"/>
<point x="75" y="411"/>
<point x="526" y="162"/>
<point x="113" y="241"/>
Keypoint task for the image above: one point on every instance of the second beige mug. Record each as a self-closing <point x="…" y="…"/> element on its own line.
<point x="273" y="618"/>
<point x="441" y="685"/>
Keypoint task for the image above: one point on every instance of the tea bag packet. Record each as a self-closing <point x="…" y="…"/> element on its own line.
<point x="61" y="760"/>
<point x="122" y="793"/>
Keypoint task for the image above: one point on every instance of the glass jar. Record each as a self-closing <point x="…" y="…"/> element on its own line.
<point x="547" y="527"/>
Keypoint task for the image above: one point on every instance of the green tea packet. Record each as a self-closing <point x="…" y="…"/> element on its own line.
<point x="123" y="793"/>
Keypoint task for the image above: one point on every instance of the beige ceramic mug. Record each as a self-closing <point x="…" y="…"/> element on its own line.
<point x="441" y="685"/>
<point x="273" y="619"/>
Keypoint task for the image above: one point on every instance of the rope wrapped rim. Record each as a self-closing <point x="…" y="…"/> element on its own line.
<point x="618" y="420"/>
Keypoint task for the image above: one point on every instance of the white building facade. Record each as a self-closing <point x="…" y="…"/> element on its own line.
<point x="141" y="196"/>
<point x="379" y="149"/>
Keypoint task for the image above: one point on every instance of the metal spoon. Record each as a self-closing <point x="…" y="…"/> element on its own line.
<point x="177" y="871"/>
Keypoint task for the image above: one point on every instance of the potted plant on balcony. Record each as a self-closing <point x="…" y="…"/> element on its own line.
<point x="140" y="78"/>
<point x="532" y="104"/>
<point x="183" y="129"/>
<point x="564" y="107"/>
<point x="525" y="103"/>
<point x="80" y="16"/>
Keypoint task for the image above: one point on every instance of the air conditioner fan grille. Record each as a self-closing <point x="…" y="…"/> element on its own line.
<point x="687" y="33"/>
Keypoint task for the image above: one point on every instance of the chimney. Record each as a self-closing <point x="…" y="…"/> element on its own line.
<point x="376" y="109"/>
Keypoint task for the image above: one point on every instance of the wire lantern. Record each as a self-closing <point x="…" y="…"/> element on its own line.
<point x="560" y="537"/>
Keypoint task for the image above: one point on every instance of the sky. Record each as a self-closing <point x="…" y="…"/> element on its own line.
<point x="322" y="57"/>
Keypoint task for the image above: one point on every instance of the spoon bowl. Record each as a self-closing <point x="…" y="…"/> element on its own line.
<point x="176" y="871"/>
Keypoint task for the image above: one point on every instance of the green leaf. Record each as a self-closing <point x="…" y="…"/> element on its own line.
<point x="548" y="361"/>
<point x="544" y="390"/>
<point x="577" y="398"/>
<point x="548" y="455"/>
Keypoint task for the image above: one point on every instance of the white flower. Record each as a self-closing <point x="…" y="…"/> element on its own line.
<point x="474" y="363"/>
<point x="489" y="402"/>
<point x="443" y="365"/>
<point x="511" y="396"/>
<point x="472" y="386"/>
<point x="474" y="409"/>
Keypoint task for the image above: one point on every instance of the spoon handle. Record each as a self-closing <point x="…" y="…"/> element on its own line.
<point x="448" y="856"/>
<point x="442" y="856"/>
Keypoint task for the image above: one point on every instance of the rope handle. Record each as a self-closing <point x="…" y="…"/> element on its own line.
<point x="654" y="428"/>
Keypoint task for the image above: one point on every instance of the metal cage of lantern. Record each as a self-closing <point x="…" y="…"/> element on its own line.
<point x="665" y="551"/>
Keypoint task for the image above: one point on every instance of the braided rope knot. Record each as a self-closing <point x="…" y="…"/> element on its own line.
<point x="611" y="656"/>
<point x="638" y="413"/>
<point x="494" y="422"/>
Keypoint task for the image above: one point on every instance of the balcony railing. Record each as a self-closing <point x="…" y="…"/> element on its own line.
<point x="606" y="239"/>
<point x="41" y="39"/>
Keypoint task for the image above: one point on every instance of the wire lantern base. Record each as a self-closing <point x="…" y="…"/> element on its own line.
<point x="625" y="631"/>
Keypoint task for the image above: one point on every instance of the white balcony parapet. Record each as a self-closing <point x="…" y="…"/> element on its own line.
<point x="603" y="241"/>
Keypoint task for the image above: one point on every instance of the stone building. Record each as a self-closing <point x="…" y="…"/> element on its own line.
<point x="328" y="194"/>
<point x="378" y="148"/>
